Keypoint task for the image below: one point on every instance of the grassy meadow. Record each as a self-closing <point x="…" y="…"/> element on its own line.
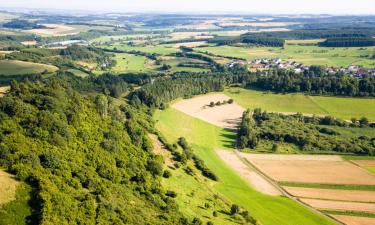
<point x="340" y="107"/>
<point x="14" y="67"/>
<point x="132" y="63"/>
<point x="301" y="51"/>
<point x="205" y="139"/>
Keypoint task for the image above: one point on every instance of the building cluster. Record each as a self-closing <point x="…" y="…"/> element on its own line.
<point x="277" y="63"/>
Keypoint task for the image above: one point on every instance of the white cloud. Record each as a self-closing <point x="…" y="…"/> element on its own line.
<point x="250" y="6"/>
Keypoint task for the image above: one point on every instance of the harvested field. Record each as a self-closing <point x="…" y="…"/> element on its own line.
<point x="28" y="43"/>
<point x="255" y="180"/>
<point x="303" y="169"/>
<point x="364" y="163"/>
<point x="185" y="35"/>
<point x="191" y="44"/>
<point x="8" y="186"/>
<point x="339" y="205"/>
<point x="332" y="194"/>
<point x="226" y="116"/>
<point x="54" y="30"/>
<point x="354" y="220"/>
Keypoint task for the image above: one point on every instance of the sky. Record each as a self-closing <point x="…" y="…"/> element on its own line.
<point x="202" y="6"/>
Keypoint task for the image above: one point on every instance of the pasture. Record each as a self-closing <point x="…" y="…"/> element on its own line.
<point x="205" y="139"/>
<point x="318" y="105"/>
<point x="132" y="63"/>
<point x="14" y="67"/>
<point x="301" y="51"/>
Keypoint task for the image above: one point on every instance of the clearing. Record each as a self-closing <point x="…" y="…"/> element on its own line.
<point x="8" y="187"/>
<point x="4" y="90"/>
<point x="226" y="116"/>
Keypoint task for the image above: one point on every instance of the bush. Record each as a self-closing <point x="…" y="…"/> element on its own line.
<point x="167" y="174"/>
<point x="171" y="194"/>
<point x="234" y="209"/>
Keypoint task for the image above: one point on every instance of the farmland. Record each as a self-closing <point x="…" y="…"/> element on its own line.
<point x="205" y="139"/>
<point x="299" y="51"/>
<point x="132" y="63"/>
<point x="319" y="105"/>
<point x="12" y="67"/>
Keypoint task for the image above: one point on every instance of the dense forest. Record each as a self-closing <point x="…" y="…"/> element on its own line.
<point x="315" y="81"/>
<point x="22" y="24"/>
<point x="309" y="134"/>
<point x="88" y="158"/>
<point x="348" y="41"/>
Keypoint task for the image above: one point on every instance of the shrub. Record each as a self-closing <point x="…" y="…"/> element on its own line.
<point x="167" y="174"/>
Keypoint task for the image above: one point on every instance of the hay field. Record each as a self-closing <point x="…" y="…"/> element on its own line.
<point x="8" y="187"/>
<point x="15" y="67"/>
<point x="354" y="220"/>
<point x="332" y="194"/>
<point x="225" y="116"/>
<point x="339" y="205"/>
<point x="313" y="171"/>
<point x="191" y="44"/>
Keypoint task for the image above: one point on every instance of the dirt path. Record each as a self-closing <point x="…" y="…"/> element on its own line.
<point x="160" y="149"/>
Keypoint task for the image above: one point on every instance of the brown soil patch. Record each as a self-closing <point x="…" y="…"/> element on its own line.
<point x="226" y="116"/>
<point x="54" y="30"/>
<point x="332" y="194"/>
<point x="338" y="205"/>
<point x="191" y="44"/>
<point x="160" y="149"/>
<point x="4" y="90"/>
<point x="354" y="220"/>
<point x="305" y="170"/>
<point x="364" y="163"/>
<point x="255" y="180"/>
<point x="8" y="186"/>
<point x="27" y="43"/>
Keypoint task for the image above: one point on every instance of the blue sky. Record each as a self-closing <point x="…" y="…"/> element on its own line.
<point x="249" y="6"/>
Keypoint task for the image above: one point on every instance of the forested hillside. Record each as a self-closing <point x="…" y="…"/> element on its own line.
<point x="86" y="155"/>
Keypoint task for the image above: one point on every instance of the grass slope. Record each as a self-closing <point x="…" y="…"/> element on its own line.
<point x="320" y="105"/>
<point x="14" y="67"/>
<point x="205" y="138"/>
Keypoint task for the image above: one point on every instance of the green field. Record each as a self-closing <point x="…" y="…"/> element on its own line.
<point x="340" y="107"/>
<point x="13" y="67"/>
<point x="205" y="138"/>
<point x="309" y="55"/>
<point x="158" y="49"/>
<point x="132" y="63"/>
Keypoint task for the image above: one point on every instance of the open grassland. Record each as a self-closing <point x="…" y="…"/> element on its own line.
<point x="8" y="186"/>
<point x="303" y="52"/>
<point x="55" y="30"/>
<point x="132" y="63"/>
<point x="159" y="49"/>
<point x="196" y="194"/>
<point x="14" y="67"/>
<point x="340" y="107"/>
<point x="205" y="138"/>
<point x="18" y="211"/>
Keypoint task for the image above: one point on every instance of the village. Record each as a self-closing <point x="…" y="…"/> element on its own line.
<point x="277" y="63"/>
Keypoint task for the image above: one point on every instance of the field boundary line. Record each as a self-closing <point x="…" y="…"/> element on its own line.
<point x="283" y="192"/>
